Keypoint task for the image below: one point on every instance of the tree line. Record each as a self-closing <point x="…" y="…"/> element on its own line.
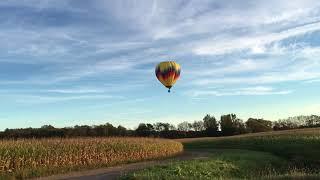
<point x="227" y="125"/>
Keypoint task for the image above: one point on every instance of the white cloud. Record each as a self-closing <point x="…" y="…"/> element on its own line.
<point x="42" y="5"/>
<point x="276" y="77"/>
<point x="310" y="52"/>
<point x="93" y="90"/>
<point x="74" y="50"/>
<point x="75" y="91"/>
<point x="248" y="91"/>
<point x="42" y="99"/>
<point x="173" y="19"/>
<point x="39" y="51"/>
<point x="313" y="81"/>
<point x="255" y="44"/>
<point x="239" y="66"/>
<point x="241" y="48"/>
<point x="284" y="64"/>
<point x="155" y="30"/>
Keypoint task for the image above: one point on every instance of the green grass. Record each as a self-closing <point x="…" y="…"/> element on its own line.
<point x="274" y="156"/>
<point x="301" y="150"/>
<point x="222" y="164"/>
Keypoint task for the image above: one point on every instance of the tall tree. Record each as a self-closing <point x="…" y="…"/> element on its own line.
<point x="231" y="125"/>
<point x="144" y="129"/>
<point x="198" y="125"/>
<point x="184" y="126"/>
<point x="211" y="125"/>
<point x="258" y="125"/>
<point x="161" y="126"/>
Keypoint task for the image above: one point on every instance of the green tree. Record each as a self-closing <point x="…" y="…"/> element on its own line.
<point x="122" y="131"/>
<point x="198" y="125"/>
<point x="184" y="126"/>
<point x="145" y="129"/>
<point x="47" y="127"/>
<point x="211" y="125"/>
<point x="231" y="125"/>
<point x="159" y="126"/>
<point x="258" y="125"/>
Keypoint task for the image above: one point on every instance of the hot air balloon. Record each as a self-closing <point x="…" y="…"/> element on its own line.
<point x="168" y="72"/>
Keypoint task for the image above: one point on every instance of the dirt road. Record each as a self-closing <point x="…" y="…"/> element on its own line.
<point x="117" y="171"/>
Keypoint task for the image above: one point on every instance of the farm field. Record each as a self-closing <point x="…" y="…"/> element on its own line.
<point x="20" y="159"/>
<point x="159" y="89"/>
<point x="272" y="155"/>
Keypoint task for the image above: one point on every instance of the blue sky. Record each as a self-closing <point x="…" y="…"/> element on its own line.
<point x="68" y="62"/>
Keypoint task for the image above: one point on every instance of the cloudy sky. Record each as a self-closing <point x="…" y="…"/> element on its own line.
<point x="68" y="62"/>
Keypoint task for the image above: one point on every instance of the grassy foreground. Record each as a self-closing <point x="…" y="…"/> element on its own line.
<point x="301" y="147"/>
<point x="227" y="164"/>
<point x="21" y="159"/>
<point x="263" y="156"/>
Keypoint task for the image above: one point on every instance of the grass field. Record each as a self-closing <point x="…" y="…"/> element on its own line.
<point x="33" y="157"/>
<point x="273" y="155"/>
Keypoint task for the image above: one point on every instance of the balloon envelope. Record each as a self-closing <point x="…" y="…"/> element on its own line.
<point x="168" y="72"/>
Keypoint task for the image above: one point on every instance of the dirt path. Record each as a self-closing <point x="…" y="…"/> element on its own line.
<point x="116" y="171"/>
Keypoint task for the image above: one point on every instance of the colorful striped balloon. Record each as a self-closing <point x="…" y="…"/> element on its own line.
<point x="168" y="72"/>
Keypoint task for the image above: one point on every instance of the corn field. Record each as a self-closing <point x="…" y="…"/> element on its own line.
<point x="38" y="157"/>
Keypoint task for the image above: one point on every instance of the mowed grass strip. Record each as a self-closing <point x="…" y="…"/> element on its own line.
<point x="272" y="155"/>
<point x="226" y="164"/>
<point x="301" y="147"/>
<point x="305" y="131"/>
<point x="41" y="157"/>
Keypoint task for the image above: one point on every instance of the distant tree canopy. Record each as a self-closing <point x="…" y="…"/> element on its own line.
<point x="144" y="129"/>
<point x="209" y="126"/>
<point x="231" y="125"/>
<point x="76" y="131"/>
<point x="198" y="126"/>
<point x="159" y="126"/>
<point x="258" y="125"/>
<point x="47" y="127"/>
<point x="297" y="122"/>
<point x="184" y="126"/>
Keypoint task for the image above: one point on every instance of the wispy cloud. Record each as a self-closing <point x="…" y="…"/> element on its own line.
<point x="248" y="91"/>
<point x="300" y="64"/>
<point x="262" y="79"/>
<point x="78" y="52"/>
<point x="45" y="99"/>
<point x="240" y="66"/>
<point x="214" y="17"/>
<point x="75" y="91"/>
<point x="254" y="44"/>
<point x="313" y="81"/>
<point x="74" y="51"/>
